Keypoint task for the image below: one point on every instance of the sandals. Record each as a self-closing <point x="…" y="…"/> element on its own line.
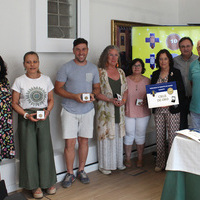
<point x="139" y="163"/>
<point x="51" y="190"/>
<point x="127" y="163"/>
<point x="37" y="193"/>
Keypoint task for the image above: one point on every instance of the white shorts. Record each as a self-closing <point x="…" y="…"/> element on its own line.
<point x="77" y="125"/>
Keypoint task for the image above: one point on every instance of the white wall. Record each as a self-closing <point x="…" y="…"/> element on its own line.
<point x="17" y="32"/>
<point x="144" y="11"/>
<point x="189" y="12"/>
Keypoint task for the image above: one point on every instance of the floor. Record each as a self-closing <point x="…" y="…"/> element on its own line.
<point x="132" y="183"/>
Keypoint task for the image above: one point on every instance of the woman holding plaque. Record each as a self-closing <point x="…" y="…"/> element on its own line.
<point x="110" y="111"/>
<point x="137" y="112"/>
<point x="167" y="119"/>
<point x="33" y="101"/>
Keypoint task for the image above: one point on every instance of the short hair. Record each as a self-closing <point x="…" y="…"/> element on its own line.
<point x="130" y="71"/>
<point x="3" y="69"/>
<point x="30" y="53"/>
<point x="80" y="41"/>
<point x="171" y="62"/>
<point x="104" y="56"/>
<point x="185" y="38"/>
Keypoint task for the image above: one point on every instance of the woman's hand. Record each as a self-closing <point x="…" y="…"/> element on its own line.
<point x="46" y="114"/>
<point x="31" y="117"/>
<point x="143" y="103"/>
<point x="118" y="103"/>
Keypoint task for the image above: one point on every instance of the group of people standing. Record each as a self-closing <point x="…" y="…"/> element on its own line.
<point x="122" y="113"/>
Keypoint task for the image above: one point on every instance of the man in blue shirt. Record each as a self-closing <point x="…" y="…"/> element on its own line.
<point x="78" y="83"/>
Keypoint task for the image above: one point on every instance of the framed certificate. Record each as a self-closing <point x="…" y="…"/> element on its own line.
<point x="162" y="94"/>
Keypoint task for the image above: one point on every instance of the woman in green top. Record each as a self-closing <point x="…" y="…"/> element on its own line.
<point x="110" y="111"/>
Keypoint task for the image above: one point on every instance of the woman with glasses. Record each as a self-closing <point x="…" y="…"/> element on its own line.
<point x="137" y="113"/>
<point x="167" y="119"/>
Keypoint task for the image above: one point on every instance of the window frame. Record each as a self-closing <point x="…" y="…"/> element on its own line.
<point x="45" y="44"/>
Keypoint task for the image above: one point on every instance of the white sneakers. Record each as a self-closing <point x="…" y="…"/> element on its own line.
<point x="106" y="172"/>
<point x="123" y="167"/>
<point x="103" y="171"/>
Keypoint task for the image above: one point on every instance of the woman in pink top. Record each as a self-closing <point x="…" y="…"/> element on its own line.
<point x="137" y="113"/>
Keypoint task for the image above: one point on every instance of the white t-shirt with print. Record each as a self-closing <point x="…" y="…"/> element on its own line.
<point x="33" y="92"/>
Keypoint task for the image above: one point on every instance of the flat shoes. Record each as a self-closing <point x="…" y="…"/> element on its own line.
<point x="127" y="163"/>
<point x="37" y="193"/>
<point x="51" y="190"/>
<point x="103" y="171"/>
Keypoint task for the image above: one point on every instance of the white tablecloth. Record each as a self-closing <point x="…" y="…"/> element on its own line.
<point x="184" y="156"/>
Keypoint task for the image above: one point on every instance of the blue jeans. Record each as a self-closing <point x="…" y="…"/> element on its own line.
<point x="195" y="120"/>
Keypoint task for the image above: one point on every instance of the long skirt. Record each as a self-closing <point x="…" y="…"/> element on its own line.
<point x="110" y="152"/>
<point x="37" y="167"/>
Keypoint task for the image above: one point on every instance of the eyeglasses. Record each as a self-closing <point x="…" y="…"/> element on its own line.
<point x="137" y="65"/>
<point x="185" y="47"/>
<point x="113" y="55"/>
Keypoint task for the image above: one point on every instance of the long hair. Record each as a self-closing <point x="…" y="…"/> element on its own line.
<point x="171" y="62"/>
<point x="104" y="56"/>
<point x="3" y="69"/>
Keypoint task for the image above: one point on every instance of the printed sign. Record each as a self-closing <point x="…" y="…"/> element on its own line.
<point x="162" y="94"/>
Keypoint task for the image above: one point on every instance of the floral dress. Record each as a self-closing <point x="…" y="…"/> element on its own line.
<point x="7" y="149"/>
<point x="110" y="134"/>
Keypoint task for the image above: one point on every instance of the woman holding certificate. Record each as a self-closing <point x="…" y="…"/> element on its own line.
<point x="167" y="119"/>
<point x="33" y="101"/>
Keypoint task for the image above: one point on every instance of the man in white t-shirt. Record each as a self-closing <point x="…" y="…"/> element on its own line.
<point x="78" y="83"/>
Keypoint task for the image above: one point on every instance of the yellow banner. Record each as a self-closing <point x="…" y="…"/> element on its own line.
<point x="148" y="41"/>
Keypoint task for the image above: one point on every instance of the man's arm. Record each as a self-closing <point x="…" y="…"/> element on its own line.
<point x="59" y="90"/>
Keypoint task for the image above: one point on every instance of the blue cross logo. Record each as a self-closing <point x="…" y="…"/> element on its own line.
<point x="151" y="60"/>
<point x="152" y="40"/>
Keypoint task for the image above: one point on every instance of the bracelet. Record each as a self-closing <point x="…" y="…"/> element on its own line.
<point x="25" y="114"/>
<point x="124" y="100"/>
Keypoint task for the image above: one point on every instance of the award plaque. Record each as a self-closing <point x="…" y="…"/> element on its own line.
<point x="119" y="97"/>
<point x="86" y="97"/>
<point x="40" y="114"/>
<point x="139" y="102"/>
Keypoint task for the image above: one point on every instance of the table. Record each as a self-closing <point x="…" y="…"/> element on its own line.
<point x="182" y="180"/>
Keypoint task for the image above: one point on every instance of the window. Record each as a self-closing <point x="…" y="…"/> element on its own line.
<point x="62" y="21"/>
<point x="59" y="22"/>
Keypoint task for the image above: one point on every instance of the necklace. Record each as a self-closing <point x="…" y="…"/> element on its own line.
<point x="136" y="87"/>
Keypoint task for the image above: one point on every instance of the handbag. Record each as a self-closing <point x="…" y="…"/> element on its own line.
<point x="3" y="190"/>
